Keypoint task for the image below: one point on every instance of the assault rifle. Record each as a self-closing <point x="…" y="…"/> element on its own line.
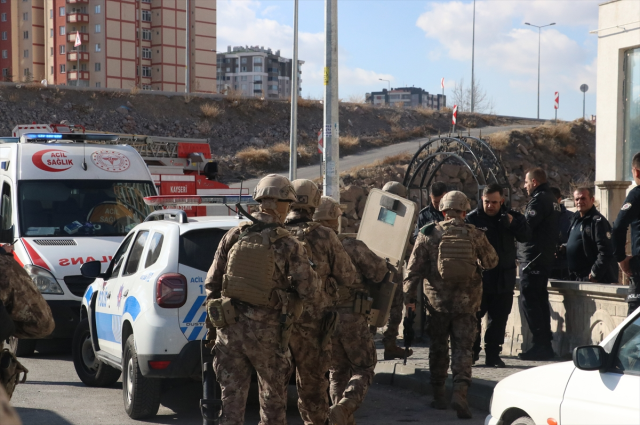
<point x="408" y="332"/>
<point x="531" y="262"/>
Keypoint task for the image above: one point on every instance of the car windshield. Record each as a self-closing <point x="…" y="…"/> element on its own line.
<point x="82" y="207"/>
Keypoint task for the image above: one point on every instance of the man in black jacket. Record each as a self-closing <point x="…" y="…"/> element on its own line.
<point x="629" y="215"/>
<point x="536" y="259"/>
<point x="432" y="212"/>
<point x="503" y="227"/>
<point x="589" y="247"/>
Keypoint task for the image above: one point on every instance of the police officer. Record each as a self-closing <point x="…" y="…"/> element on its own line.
<point x="353" y="350"/>
<point x="259" y="273"/>
<point x="589" y="248"/>
<point x="431" y="212"/>
<point x="453" y="287"/>
<point x="391" y="349"/>
<point x="536" y="258"/>
<point x="310" y="342"/>
<point x="503" y="227"/>
<point x="629" y="215"/>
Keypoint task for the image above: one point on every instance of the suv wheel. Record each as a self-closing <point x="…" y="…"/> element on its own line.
<point x="89" y="368"/>
<point x="141" y="395"/>
<point x="523" y="420"/>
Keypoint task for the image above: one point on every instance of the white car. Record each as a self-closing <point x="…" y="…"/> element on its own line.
<point x="145" y="315"/>
<point x="601" y="386"/>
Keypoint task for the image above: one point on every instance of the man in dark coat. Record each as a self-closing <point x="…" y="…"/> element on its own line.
<point x="503" y="227"/>
<point x="431" y="212"/>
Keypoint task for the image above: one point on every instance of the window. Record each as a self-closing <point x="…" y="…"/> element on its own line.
<point x="631" y="109"/>
<point x="27" y="72"/>
<point x="63" y="69"/>
<point x="116" y="263"/>
<point x="51" y="33"/>
<point x="146" y="15"/>
<point x="98" y="29"/>
<point x="62" y="11"/>
<point x="257" y="87"/>
<point x="228" y="69"/>
<point x="257" y="60"/>
<point x="244" y="87"/>
<point x="83" y="28"/>
<point x="5" y="72"/>
<point x="243" y="78"/>
<point x="4" y="56"/>
<point x="51" y="51"/>
<point x="25" y="16"/>
<point x="83" y="67"/>
<point x="146" y="71"/>
<point x="244" y="60"/>
<point x="146" y="53"/>
<point x="257" y="78"/>
<point x="63" y="49"/>
<point x="3" y="18"/>
<point x="4" y="35"/>
<point x="63" y="30"/>
<point x="628" y="356"/>
<point x="257" y="69"/>
<point x="153" y="252"/>
<point x="228" y="78"/>
<point x="97" y="47"/>
<point x="146" y="34"/>
<point x="136" y="253"/>
<point x="98" y="9"/>
<point x="26" y="54"/>
<point x="6" y="226"/>
<point x="98" y="67"/>
<point x="51" y="70"/>
<point x="98" y="85"/>
<point x="25" y="35"/>
<point x="198" y="247"/>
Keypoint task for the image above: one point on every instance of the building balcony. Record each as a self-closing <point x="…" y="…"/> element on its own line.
<point x="71" y="37"/>
<point x="73" y="56"/>
<point x="73" y="75"/>
<point x="78" y="1"/>
<point x="74" y="18"/>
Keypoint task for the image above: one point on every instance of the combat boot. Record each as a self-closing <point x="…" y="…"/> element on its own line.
<point x="459" y="400"/>
<point x="392" y="351"/>
<point x="439" y="397"/>
<point x="342" y="413"/>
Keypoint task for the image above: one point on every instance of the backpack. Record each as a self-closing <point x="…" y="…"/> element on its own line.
<point x="457" y="260"/>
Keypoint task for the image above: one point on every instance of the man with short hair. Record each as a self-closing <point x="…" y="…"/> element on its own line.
<point x="536" y="258"/>
<point x="629" y="215"/>
<point x="560" y="269"/>
<point x="503" y="227"/>
<point x="589" y="247"/>
<point x="450" y="255"/>
<point x="431" y="212"/>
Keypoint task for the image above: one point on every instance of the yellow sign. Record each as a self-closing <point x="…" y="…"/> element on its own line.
<point x="326" y="75"/>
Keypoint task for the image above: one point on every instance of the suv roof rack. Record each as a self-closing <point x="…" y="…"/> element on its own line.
<point x="179" y="216"/>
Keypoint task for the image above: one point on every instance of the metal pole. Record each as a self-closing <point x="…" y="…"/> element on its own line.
<point x="186" y="50"/>
<point x="293" y="133"/>
<point x="78" y="65"/>
<point x="331" y="131"/>
<point x="584" y="97"/>
<point x="473" y="52"/>
<point x="539" y="30"/>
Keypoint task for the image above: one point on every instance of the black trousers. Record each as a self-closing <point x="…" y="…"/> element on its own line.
<point x="498" y="306"/>
<point x="535" y="302"/>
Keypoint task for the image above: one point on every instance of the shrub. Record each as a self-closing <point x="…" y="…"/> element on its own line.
<point x="210" y="110"/>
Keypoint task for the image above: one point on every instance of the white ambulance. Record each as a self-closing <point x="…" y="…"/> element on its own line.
<point x="64" y="202"/>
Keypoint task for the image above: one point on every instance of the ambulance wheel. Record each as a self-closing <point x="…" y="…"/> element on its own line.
<point x="141" y="395"/>
<point x="91" y="371"/>
<point x="26" y="347"/>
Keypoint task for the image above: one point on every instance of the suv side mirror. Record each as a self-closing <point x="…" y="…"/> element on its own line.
<point x="211" y="170"/>
<point x="589" y="357"/>
<point x="91" y="269"/>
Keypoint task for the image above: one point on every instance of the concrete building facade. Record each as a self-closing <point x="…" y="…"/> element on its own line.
<point x="618" y="101"/>
<point x="256" y="71"/>
<point x="125" y="43"/>
<point x="408" y="97"/>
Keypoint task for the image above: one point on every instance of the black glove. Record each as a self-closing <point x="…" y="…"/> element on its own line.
<point x="504" y="220"/>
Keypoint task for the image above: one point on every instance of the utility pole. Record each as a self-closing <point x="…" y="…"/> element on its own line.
<point x="473" y="54"/>
<point x="331" y="185"/>
<point x="293" y="132"/>
<point x="539" y="32"/>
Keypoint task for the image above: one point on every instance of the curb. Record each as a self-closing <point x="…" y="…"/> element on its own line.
<point x="417" y="380"/>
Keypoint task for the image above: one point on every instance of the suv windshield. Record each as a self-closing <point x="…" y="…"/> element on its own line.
<point x="82" y="207"/>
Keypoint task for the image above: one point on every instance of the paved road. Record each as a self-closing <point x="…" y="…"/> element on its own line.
<point x="54" y="395"/>
<point x="370" y="156"/>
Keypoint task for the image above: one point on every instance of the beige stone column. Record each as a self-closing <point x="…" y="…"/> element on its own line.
<point x="611" y="195"/>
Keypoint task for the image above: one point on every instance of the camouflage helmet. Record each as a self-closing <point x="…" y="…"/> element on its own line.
<point x="395" y="188"/>
<point x="307" y="194"/>
<point x="454" y="200"/>
<point x="329" y="209"/>
<point x="274" y="187"/>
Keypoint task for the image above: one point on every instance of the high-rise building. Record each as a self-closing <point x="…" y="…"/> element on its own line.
<point x="256" y="71"/>
<point x="125" y="43"/>
<point x="407" y="96"/>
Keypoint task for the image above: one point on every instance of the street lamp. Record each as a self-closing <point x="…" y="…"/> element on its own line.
<point x="388" y="82"/>
<point x="539" y="28"/>
<point x="473" y="51"/>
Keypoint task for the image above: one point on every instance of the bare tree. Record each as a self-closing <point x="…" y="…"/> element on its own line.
<point x="462" y="97"/>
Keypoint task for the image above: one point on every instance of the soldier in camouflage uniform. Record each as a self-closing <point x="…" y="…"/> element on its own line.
<point x="24" y="313"/>
<point x="450" y="255"/>
<point x="353" y="352"/>
<point x="250" y="335"/>
<point x="391" y="349"/>
<point x="310" y="342"/>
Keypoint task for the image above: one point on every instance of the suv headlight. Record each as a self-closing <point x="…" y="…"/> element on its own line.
<point x="44" y="280"/>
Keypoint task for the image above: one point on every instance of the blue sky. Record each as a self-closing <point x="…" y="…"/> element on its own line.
<point x="416" y="43"/>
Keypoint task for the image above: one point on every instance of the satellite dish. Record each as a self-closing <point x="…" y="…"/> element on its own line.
<point x="584" y="88"/>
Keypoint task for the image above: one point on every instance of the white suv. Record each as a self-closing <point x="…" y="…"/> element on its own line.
<point x="145" y="315"/>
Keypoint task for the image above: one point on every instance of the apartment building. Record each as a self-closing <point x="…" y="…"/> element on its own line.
<point x="125" y="43"/>
<point x="408" y="96"/>
<point x="256" y="71"/>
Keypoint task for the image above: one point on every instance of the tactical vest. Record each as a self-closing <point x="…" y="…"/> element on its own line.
<point x="457" y="261"/>
<point x="300" y="231"/>
<point x="249" y="275"/>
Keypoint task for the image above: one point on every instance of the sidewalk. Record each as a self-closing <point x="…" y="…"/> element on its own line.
<point x="415" y="375"/>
